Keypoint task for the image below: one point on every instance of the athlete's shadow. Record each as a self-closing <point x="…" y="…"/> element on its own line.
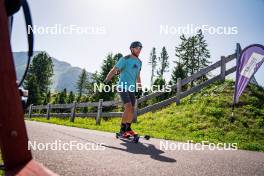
<point x="140" y="148"/>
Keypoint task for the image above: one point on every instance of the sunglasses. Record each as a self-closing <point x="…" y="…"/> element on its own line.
<point x="139" y="47"/>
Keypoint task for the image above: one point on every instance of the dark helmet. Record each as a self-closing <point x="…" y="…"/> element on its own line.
<point x="135" y="44"/>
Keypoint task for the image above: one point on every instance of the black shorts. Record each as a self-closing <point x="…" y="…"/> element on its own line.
<point x="128" y="97"/>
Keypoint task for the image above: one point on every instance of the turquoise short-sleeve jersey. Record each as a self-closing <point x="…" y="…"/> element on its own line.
<point x="129" y="70"/>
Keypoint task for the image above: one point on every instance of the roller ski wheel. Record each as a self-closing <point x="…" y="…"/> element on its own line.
<point x="147" y="137"/>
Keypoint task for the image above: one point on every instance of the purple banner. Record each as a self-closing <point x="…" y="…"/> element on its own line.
<point x="249" y="62"/>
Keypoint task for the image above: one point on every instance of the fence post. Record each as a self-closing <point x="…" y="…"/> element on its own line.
<point x="179" y="88"/>
<point x="48" y="111"/>
<point x="73" y="112"/>
<point x="135" y="111"/>
<point x="30" y="111"/>
<point x="223" y="67"/>
<point x="99" y="112"/>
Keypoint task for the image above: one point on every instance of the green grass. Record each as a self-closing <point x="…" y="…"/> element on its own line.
<point x="1" y="162"/>
<point x="205" y="116"/>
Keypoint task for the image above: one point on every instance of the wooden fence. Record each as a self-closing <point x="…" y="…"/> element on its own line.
<point x="177" y="87"/>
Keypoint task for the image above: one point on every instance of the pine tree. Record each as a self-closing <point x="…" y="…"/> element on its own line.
<point x="153" y="63"/>
<point x="202" y="54"/>
<point x="193" y="54"/>
<point x="40" y="71"/>
<point x="178" y="72"/>
<point x="107" y="65"/>
<point x="47" y="98"/>
<point x="34" y="96"/>
<point x="182" y="53"/>
<point x="90" y="85"/>
<point x="117" y="57"/>
<point x="164" y="62"/>
<point x="63" y="97"/>
<point x="160" y="84"/>
<point x="81" y="84"/>
<point x="71" y="98"/>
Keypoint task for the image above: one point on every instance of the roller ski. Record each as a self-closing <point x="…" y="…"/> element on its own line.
<point x="131" y="136"/>
<point x="128" y="135"/>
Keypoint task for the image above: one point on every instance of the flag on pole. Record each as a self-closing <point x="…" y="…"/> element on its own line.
<point x="249" y="62"/>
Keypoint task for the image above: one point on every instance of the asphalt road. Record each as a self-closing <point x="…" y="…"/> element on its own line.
<point x="74" y="152"/>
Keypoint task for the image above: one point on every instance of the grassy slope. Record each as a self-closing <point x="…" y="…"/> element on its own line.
<point x="1" y="162"/>
<point x="203" y="116"/>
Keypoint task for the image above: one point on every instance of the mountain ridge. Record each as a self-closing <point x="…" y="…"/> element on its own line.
<point x="65" y="75"/>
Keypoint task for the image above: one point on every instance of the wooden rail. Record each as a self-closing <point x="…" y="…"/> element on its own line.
<point x="72" y="107"/>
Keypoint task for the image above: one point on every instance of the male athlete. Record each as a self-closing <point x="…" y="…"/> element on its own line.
<point x="129" y="68"/>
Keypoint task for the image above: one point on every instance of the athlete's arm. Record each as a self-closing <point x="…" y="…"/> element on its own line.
<point x="112" y="72"/>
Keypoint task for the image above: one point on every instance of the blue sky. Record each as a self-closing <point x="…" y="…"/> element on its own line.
<point x="125" y="20"/>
